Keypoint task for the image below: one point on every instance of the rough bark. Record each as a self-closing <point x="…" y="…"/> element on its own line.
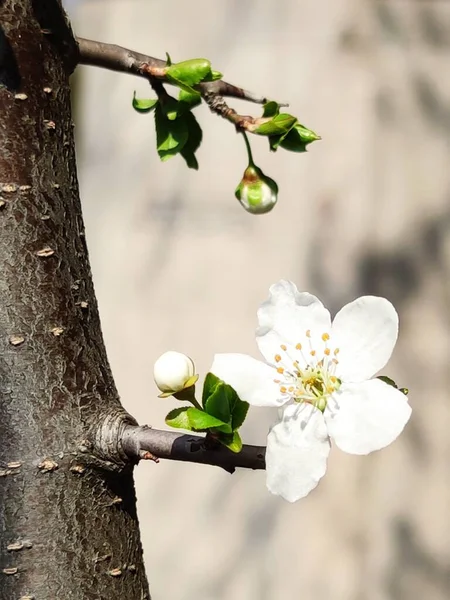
<point x="68" y="524"/>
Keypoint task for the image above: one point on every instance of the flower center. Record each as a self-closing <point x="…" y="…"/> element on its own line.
<point x="309" y="374"/>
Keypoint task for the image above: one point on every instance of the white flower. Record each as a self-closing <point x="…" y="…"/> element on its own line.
<point x="173" y="372"/>
<point x="319" y="374"/>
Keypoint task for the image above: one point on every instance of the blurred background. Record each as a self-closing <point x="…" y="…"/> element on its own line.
<point x="178" y="264"/>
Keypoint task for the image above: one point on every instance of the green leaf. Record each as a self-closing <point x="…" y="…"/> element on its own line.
<point x="194" y="140"/>
<point x="171" y="136"/>
<point x="295" y="140"/>
<point x="211" y="382"/>
<point x="178" y="418"/>
<point x="144" y="105"/>
<point x="218" y="403"/>
<point x="214" y="76"/>
<point x="189" y="73"/>
<point x="232" y="441"/>
<point x="190" y="100"/>
<point x="200" y="420"/>
<point x="171" y="107"/>
<point x="238" y="413"/>
<point x="271" y="109"/>
<point x="280" y="124"/>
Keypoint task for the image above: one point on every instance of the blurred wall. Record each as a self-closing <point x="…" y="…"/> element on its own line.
<point x="179" y="265"/>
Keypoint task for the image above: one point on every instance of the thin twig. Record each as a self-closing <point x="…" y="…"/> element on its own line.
<point x="138" y="441"/>
<point x="117" y="58"/>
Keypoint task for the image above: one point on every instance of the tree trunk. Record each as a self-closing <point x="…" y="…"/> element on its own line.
<point x="68" y="524"/>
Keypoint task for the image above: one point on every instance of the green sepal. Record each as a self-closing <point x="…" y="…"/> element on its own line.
<point x="168" y="60"/>
<point x="178" y="418"/>
<point x="271" y="109"/>
<point x="388" y="380"/>
<point x="144" y="105"/>
<point x="200" y="420"/>
<point x="280" y="124"/>
<point x="391" y="382"/>
<point x="232" y="441"/>
<point x="188" y="73"/>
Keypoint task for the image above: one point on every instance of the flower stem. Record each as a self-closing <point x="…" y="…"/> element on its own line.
<point x="249" y="150"/>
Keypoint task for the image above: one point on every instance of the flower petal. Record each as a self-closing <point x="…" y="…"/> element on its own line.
<point x="252" y="379"/>
<point x="297" y="452"/>
<point x="365" y="331"/>
<point x="366" y="416"/>
<point x="286" y="317"/>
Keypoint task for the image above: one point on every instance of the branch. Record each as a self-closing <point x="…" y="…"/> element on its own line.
<point x="116" y="58"/>
<point x="144" y="442"/>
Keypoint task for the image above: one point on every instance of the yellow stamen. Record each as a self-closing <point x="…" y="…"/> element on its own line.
<point x="298" y="347"/>
<point x="280" y="370"/>
<point x="325" y="337"/>
<point x="327" y="351"/>
<point x="277" y="358"/>
<point x="283" y="347"/>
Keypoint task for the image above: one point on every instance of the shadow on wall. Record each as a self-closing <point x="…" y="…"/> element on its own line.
<point x="413" y="566"/>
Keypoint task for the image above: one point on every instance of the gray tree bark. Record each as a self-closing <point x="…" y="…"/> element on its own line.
<point x="68" y="524"/>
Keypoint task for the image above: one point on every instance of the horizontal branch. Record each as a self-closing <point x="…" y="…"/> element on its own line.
<point x="117" y="58"/>
<point x="145" y="442"/>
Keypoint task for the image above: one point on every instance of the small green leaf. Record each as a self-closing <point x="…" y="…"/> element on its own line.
<point x="280" y="124"/>
<point x="189" y="73"/>
<point x="211" y="382"/>
<point x="232" y="441"/>
<point x="200" y="420"/>
<point x="271" y="109"/>
<point x="194" y="140"/>
<point x="170" y="107"/>
<point x="189" y="100"/>
<point x="171" y="136"/>
<point x="218" y="403"/>
<point x="178" y="418"/>
<point x="144" y="105"/>
<point x="238" y="413"/>
<point x="214" y="76"/>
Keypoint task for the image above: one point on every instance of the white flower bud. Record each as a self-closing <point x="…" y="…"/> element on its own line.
<point x="172" y="371"/>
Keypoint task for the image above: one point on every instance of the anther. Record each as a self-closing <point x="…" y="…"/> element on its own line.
<point x="308" y="333"/>
<point x="298" y="347"/>
<point x="336" y="352"/>
<point x="291" y="388"/>
<point x="280" y="370"/>
<point x="327" y="351"/>
<point x="313" y="352"/>
<point x="283" y="347"/>
<point x="277" y="358"/>
<point x="283" y="390"/>
<point x="325" y="337"/>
